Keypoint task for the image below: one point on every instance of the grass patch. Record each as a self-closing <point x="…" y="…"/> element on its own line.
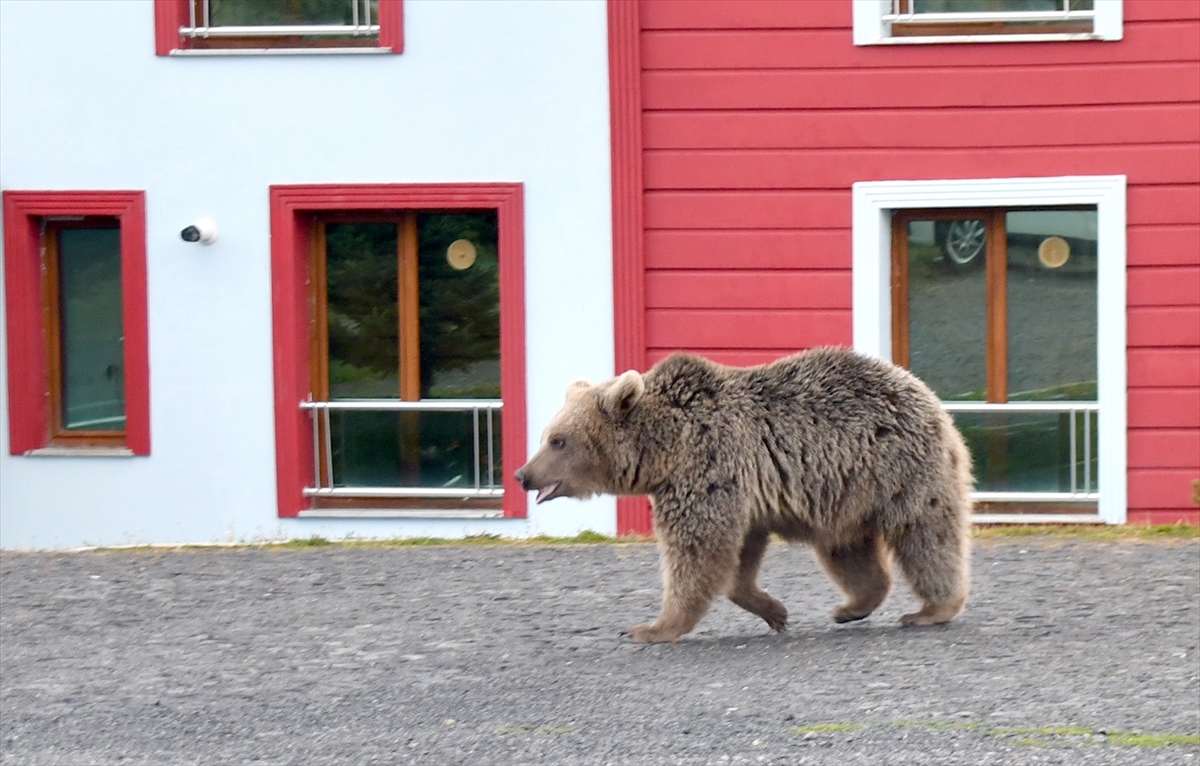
<point x="1083" y="532"/>
<point x="1061" y="736"/>
<point x="821" y="728"/>
<point x="1045" y="731"/>
<point x="940" y="725"/>
<point x="1104" y="532"/>
<point x="315" y="541"/>
<point x="1053" y="736"/>
<point x="1132" y="739"/>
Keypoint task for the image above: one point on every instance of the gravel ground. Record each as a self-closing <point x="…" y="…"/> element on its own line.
<point x="510" y="654"/>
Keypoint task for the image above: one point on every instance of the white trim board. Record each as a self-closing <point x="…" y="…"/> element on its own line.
<point x="873" y="205"/>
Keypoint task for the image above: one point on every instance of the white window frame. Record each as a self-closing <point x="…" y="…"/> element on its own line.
<point x="870" y="28"/>
<point x="874" y="202"/>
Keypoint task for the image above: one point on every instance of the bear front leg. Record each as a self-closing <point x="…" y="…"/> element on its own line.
<point x="693" y="574"/>
<point x="745" y="591"/>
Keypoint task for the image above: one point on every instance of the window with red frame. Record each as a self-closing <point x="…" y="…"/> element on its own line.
<point x="399" y="347"/>
<point x="75" y="295"/>
<point x="278" y="25"/>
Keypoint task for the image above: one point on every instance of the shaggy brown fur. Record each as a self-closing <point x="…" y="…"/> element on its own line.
<point x="848" y="453"/>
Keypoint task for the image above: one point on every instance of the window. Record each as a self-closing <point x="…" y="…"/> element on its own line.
<point x="993" y="291"/>
<point x="927" y="21"/>
<point x="406" y="308"/>
<point x="399" y="310"/>
<point x="278" y="26"/>
<point x="996" y="310"/>
<point x="75" y="289"/>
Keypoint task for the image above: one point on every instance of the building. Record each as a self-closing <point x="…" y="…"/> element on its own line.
<point x="430" y="217"/>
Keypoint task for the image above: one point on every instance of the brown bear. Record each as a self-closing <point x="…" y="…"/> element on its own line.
<point x="848" y="453"/>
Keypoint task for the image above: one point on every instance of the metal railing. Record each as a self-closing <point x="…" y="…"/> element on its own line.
<point x="1085" y="488"/>
<point x="200" y="25"/>
<point x="481" y="427"/>
<point x="978" y="17"/>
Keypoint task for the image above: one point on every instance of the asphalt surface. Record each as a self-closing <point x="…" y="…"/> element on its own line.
<point x="511" y="655"/>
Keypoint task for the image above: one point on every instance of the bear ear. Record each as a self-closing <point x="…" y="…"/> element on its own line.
<point x="576" y="388"/>
<point x="623" y="394"/>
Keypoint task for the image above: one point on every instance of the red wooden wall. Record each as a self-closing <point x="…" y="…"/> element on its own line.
<point x="758" y="115"/>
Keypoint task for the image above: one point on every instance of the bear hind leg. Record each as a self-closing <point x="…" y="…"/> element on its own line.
<point x="861" y="570"/>
<point x="744" y="590"/>
<point x="935" y="558"/>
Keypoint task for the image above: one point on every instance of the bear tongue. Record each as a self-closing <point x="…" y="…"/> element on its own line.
<point x="547" y="490"/>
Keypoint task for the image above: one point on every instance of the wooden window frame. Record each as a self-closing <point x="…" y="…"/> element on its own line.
<point x="294" y="209"/>
<point x="408" y="336"/>
<point x="996" y="291"/>
<point x="172" y="15"/>
<point x="995" y="256"/>
<point x="408" y="321"/>
<point x="995" y="264"/>
<point x="30" y="263"/>
<point x="52" y="322"/>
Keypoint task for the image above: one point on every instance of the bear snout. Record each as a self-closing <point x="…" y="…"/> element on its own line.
<point x="522" y="477"/>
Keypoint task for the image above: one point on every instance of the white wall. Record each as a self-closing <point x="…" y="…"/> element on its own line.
<point x="484" y="91"/>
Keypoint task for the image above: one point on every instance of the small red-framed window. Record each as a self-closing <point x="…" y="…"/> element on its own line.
<point x="179" y="25"/>
<point x="39" y="225"/>
<point x="299" y="215"/>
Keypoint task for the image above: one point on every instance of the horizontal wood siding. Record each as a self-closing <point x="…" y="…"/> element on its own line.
<point x="758" y="115"/>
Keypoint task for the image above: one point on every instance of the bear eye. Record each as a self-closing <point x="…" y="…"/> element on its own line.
<point x="557" y="442"/>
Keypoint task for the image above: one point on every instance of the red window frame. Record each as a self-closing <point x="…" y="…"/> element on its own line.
<point x="170" y="15"/>
<point x="29" y="416"/>
<point x="292" y="209"/>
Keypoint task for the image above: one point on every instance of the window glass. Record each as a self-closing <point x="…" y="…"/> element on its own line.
<point x="1031" y="451"/>
<point x="991" y="17"/>
<point x="458" y="301"/>
<point x="1051" y="304"/>
<point x="289" y="12"/>
<point x="362" y="310"/>
<point x="1002" y="309"/>
<point x="996" y="6"/>
<point x="91" y="329"/>
<point x="948" y="307"/>
<point x="460" y="305"/>
<point x="413" y="449"/>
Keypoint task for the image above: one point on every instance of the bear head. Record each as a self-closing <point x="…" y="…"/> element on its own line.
<point x="579" y="446"/>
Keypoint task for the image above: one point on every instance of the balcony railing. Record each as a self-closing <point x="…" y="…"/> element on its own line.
<point x="200" y="24"/>
<point x="1083" y="485"/>
<point x="484" y="429"/>
<point x="898" y="14"/>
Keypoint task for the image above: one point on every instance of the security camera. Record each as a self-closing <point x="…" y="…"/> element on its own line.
<point x="203" y="231"/>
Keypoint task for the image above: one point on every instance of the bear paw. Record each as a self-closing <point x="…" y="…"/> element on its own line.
<point x="849" y="614"/>
<point x="920" y="618"/>
<point x="776" y="618"/>
<point x="649" y="634"/>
